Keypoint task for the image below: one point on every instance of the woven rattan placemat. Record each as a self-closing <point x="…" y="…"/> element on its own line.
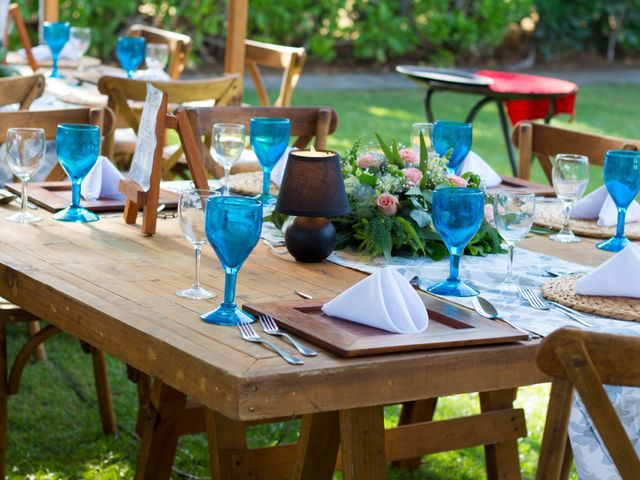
<point x="562" y="290"/>
<point x="249" y="184"/>
<point x="550" y="215"/>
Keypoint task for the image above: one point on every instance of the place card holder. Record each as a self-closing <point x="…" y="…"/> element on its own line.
<point x="136" y="196"/>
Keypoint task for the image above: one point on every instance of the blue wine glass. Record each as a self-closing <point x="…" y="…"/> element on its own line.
<point x="622" y="178"/>
<point x="56" y="35"/>
<point x="77" y="147"/>
<point x="130" y="52"/>
<point x="454" y="136"/>
<point x="269" y="140"/>
<point x="233" y="226"/>
<point x="457" y="214"/>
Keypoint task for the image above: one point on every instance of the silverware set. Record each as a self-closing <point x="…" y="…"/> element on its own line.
<point x="537" y="302"/>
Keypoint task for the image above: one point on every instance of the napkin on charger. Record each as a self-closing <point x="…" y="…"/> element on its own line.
<point x="599" y="204"/>
<point x="383" y="300"/>
<point x="42" y="53"/>
<point x="102" y="181"/>
<point x="474" y="163"/>
<point x="619" y="276"/>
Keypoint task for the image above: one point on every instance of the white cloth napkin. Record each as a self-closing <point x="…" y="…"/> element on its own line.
<point x="102" y="181"/>
<point x="474" y="163"/>
<point x="155" y="75"/>
<point x="599" y="204"/>
<point x="619" y="276"/>
<point x="384" y="300"/>
<point x="42" y="53"/>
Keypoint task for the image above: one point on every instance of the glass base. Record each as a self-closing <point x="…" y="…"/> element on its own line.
<point x="614" y="244"/>
<point x="565" y="238"/>
<point x="227" y="314"/>
<point x="453" y="289"/>
<point x="24" y="217"/>
<point x="266" y="199"/>
<point x="55" y="74"/>
<point x="195" y="293"/>
<point x="76" y="214"/>
<point x="507" y="290"/>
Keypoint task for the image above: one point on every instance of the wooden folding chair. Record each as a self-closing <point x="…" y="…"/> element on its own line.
<point x="290" y="59"/>
<point x="307" y="124"/>
<point x="585" y="361"/>
<point x="545" y="141"/>
<point x="179" y="46"/>
<point x="122" y="92"/>
<point x="21" y="90"/>
<point x="14" y="13"/>
<point x="49" y="121"/>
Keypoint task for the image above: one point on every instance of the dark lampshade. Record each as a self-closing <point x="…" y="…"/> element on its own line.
<point x="312" y="185"/>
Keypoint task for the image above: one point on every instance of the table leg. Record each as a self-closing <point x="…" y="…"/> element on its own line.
<point x="3" y="401"/>
<point x="507" y="137"/>
<point x="224" y="435"/>
<point x="362" y="441"/>
<point x="317" y="447"/>
<point x="427" y="106"/>
<point x="502" y="458"/>
<point x="476" y="108"/>
<point x="415" y="412"/>
<point x="160" y="435"/>
<point x="551" y="112"/>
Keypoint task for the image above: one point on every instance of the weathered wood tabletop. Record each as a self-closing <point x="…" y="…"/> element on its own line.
<point x="106" y="284"/>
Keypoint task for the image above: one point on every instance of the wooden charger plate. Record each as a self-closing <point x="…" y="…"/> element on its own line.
<point x="56" y="196"/>
<point x="450" y="325"/>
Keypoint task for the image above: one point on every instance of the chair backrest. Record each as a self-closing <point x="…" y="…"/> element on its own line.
<point x="179" y="46"/>
<point x="307" y="123"/>
<point x="586" y="361"/>
<point x="22" y="90"/>
<point x="220" y="90"/>
<point x="290" y="59"/>
<point x="14" y="13"/>
<point x="545" y="141"/>
<point x="50" y="119"/>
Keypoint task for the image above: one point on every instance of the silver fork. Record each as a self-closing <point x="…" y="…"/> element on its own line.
<point x="539" y="304"/>
<point x="269" y="327"/>
<point x="249" y="334"/>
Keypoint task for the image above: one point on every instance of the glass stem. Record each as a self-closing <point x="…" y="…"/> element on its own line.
<point x="566" y="225"/>
<point x="230" y="286"/>
<point x="227" y="171"/>
<point x="198" y="254"/>
<point x="454" y="266"/>
<point x="622" y="213"/>
<point x="25" y="197"/>
<point x="75" y="192"/>
<point x="266" y="183"/>
<point x="54" y="73"/>
<point x="510" y="249"/>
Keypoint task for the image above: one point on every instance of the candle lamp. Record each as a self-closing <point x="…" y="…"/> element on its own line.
<point x="312" y="189"/>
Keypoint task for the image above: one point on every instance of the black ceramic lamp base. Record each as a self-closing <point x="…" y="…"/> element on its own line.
<point x="310" y="239"/>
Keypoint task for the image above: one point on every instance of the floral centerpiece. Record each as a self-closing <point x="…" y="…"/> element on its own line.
<point x="390" y="198"/>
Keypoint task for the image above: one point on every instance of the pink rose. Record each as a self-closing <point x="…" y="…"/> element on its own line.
<point x="409" y="157"/>
<point x="488" y="213"/>
<point x="387" y="204"/>
<point x="413" y="175"/>
<point x="368" y="160"/>
<point x="457" y="181"/>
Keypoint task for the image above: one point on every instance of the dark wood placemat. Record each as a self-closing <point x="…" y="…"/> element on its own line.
<point x="514" y="183"/>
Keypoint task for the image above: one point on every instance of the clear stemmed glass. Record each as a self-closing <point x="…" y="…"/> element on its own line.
<point x="233" y="226"/>
<point x="156" y="56"/>
<point x="269" y="140"/>
<point x="513" y="211"/>
<point x="25" y="150"/>
<point x="77" y="147"/>
<point x="191" y="215"/>
<point x="570" y="177"/>
<point x="130" y="52"/>
<point x="457" y="214"/>
<point x="622" y="178"/>
<point x="56" y="35"/>
<point x="80" y="39"/>
<point x="227" y="144"/>
<point x="426" y="129"/>
<point x="454" y="136"/>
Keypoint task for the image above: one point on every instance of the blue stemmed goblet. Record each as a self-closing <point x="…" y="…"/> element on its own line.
<point x="622" y="178"/>
<point x="77" y="147"/>
<point x="454" y="136"/>
<point x="56" y="35"/>
<point x="457" y="214"/>
<point x="269" y="140"/>
<point x="233" y="226"/>
<point x="130" y="52"/>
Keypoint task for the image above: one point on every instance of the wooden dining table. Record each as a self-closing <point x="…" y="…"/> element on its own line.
<point x="109" y="286"/>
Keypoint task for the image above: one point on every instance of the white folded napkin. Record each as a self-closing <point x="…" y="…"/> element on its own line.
<point x="42" y="53"/>
<point x="383" y="300"/>
<point x="249" y="156"/>
<point x="474" y="163"/>
<point x="155" y="75"/>
<point x="618" y="277"/>
<point x="599" y="204"/>
<point x="102" y="181"/>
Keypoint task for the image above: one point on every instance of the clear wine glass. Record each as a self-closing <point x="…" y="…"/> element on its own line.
<point x="156" y="56"/>
<point x="191" y="216"/>
<point x="25" y="151"/>
<point x="80" y="39"/>
<point x="426" y="129"/>
<point x="570" y="178"/>
<point x="513" y="211"/>
<point x="227" y="143"/>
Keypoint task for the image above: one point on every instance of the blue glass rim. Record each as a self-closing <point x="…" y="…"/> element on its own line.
<point x="78" y="127"/>
<point x="622" y="153"/>
<point x="458" y="191"/>
<point x="56" y="24"/>
<point x="275" y="120"/>
<point x="452" y="123"/>
<point x="127" y="38"/>
<point x="234" y="202"/>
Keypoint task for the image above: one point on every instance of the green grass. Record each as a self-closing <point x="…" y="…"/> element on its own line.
<point x="54" y="431"/>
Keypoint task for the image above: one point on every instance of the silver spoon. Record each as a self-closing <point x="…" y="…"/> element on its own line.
<point x="485" y="308"/>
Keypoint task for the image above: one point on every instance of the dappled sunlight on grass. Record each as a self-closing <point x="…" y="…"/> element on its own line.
<point x="389" y="113"/>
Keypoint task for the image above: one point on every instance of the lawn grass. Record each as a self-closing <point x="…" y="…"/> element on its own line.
<point x="54" y="430"/>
